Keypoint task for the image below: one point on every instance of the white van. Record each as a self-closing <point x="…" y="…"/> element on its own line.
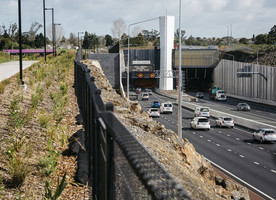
<point x="202" y="112"/>
<point x="166" y="107"/>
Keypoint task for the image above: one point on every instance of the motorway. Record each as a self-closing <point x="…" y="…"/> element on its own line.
<point x="232" y="150"/>
<point x="266" y="113"/>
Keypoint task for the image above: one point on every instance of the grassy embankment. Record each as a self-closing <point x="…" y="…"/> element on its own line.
<point x="34" y="133"/>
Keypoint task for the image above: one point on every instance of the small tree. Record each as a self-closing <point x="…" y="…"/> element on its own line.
<point x="176" y="35"/>
<point x="108" y="41"/>
<point x="261" y="39"/>
<point x="272" y="35"/>
<point x="119" y="27"/>
<point x="244" y="41"/>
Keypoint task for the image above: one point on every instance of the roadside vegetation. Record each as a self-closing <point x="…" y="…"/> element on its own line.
<point x="35" y="125"/>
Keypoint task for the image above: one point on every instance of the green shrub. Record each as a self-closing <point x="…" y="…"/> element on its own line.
<point x="44" y="119"/>
<point x="3" y="85"/>
<point x="17" y="169"/>
<point x="49" y="194"/>
<point x="17" y="117"/>
<point x="49" y="163"/>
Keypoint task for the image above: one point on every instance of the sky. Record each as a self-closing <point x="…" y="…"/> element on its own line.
<point x="200" y="18"/>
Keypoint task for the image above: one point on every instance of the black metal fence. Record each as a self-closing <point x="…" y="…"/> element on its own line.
<point x="119" y="166"/>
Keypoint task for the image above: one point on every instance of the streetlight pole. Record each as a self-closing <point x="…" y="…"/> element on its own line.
<point x="52" y="28"/>
<point x="44" y="19"/>
<point x="79" y="38"/>
<point x="55" y="37"/>
<point x="20" y="42"/>
<point x="128" y="50"/>
<point x="179" y="79"/>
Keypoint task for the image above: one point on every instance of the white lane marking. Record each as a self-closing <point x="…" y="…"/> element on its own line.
<point x="249" y="143"/>
<point x="173" y="122"/>
<point x="261" y="148"/>
<point x="256" y="163"/>
<point x="228" y="135"/>
<point x="201" y="136"/>
<point x="169" y="120"/>
<point x="243" y="131"/>
<point x="237" y="138"/>
<point x="209" y="140"/>
<point x="220" y="132"/>
<point x="242" y="156"/>
<point x="218" y="145"/>
<point x="244" y="182"/>
<point x="229" y="150"/>
<point x="273" y="171"/>
<point x="194" y="133"/>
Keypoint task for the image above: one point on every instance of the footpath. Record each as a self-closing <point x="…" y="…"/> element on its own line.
<point x="9" y="69"/>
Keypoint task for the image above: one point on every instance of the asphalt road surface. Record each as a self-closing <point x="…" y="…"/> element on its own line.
<point x="232" y="150"/>
<point x="11" y="68"/>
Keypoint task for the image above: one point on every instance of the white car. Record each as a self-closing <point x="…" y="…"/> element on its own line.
<point x="149" y="91"/>
<point x="145" y="96"/>
<point x="225" y="122"/>
<point x="200" y="123"/>
<point x="202" y="112"/>
<point x="265" y="135"/>
<point x="154" y="112"/>
<point x="166" y="107"/>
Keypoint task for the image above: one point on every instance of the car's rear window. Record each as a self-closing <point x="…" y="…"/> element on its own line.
<point x="154" y="110"/>
<point x="270" y="132"/>
<point x="168" y="105"/>
<point x="156" y="102"/>
<point x="202" y="120"/>
<point x="204" y="110"/>
<point x="227" y="119"/>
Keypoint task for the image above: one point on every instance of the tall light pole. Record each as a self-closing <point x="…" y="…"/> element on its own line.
<point x="52" y="28"/>
<point x="44" y="22"/>
<point x="128" y="49"/>
<point x="179" y="79"/>
<point x="55" y="48"/>
<point x="79" y="38"/>
<point x="20" y="42"/>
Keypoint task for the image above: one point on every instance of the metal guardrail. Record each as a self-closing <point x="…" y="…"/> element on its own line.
<point x="119" y="166"/>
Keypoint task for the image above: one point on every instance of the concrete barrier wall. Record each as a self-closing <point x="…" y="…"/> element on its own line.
<point x="225" y="76"/>
<point x="110" y="64"/>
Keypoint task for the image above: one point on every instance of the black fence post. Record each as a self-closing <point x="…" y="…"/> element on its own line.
<point x="109" y="107"/>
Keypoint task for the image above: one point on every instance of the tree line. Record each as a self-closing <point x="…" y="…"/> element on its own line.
<point x="9" y="38"/>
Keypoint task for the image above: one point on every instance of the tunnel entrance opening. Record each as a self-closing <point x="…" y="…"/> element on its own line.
<point x="198" y="79"/>
<point x="145" y="82"/>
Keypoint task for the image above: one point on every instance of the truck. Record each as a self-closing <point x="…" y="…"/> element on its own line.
<point x="217" y="93"/>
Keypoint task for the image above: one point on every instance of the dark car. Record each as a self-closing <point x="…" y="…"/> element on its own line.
<point x="243" y="106"/>
<point x="200" y="95"/>
<point x="155" y="104"/>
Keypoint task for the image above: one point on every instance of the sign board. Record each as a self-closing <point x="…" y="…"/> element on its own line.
<point x="141" y="62"/>
<point x="141" y="68"/>
<point x="244" y="72"/>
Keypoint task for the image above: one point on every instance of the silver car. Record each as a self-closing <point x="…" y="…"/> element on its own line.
<point x="225" y="122"/>
<point x="154" y="112"/>
<point x="265" y="135"/>
<point x="200" y="123"/>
